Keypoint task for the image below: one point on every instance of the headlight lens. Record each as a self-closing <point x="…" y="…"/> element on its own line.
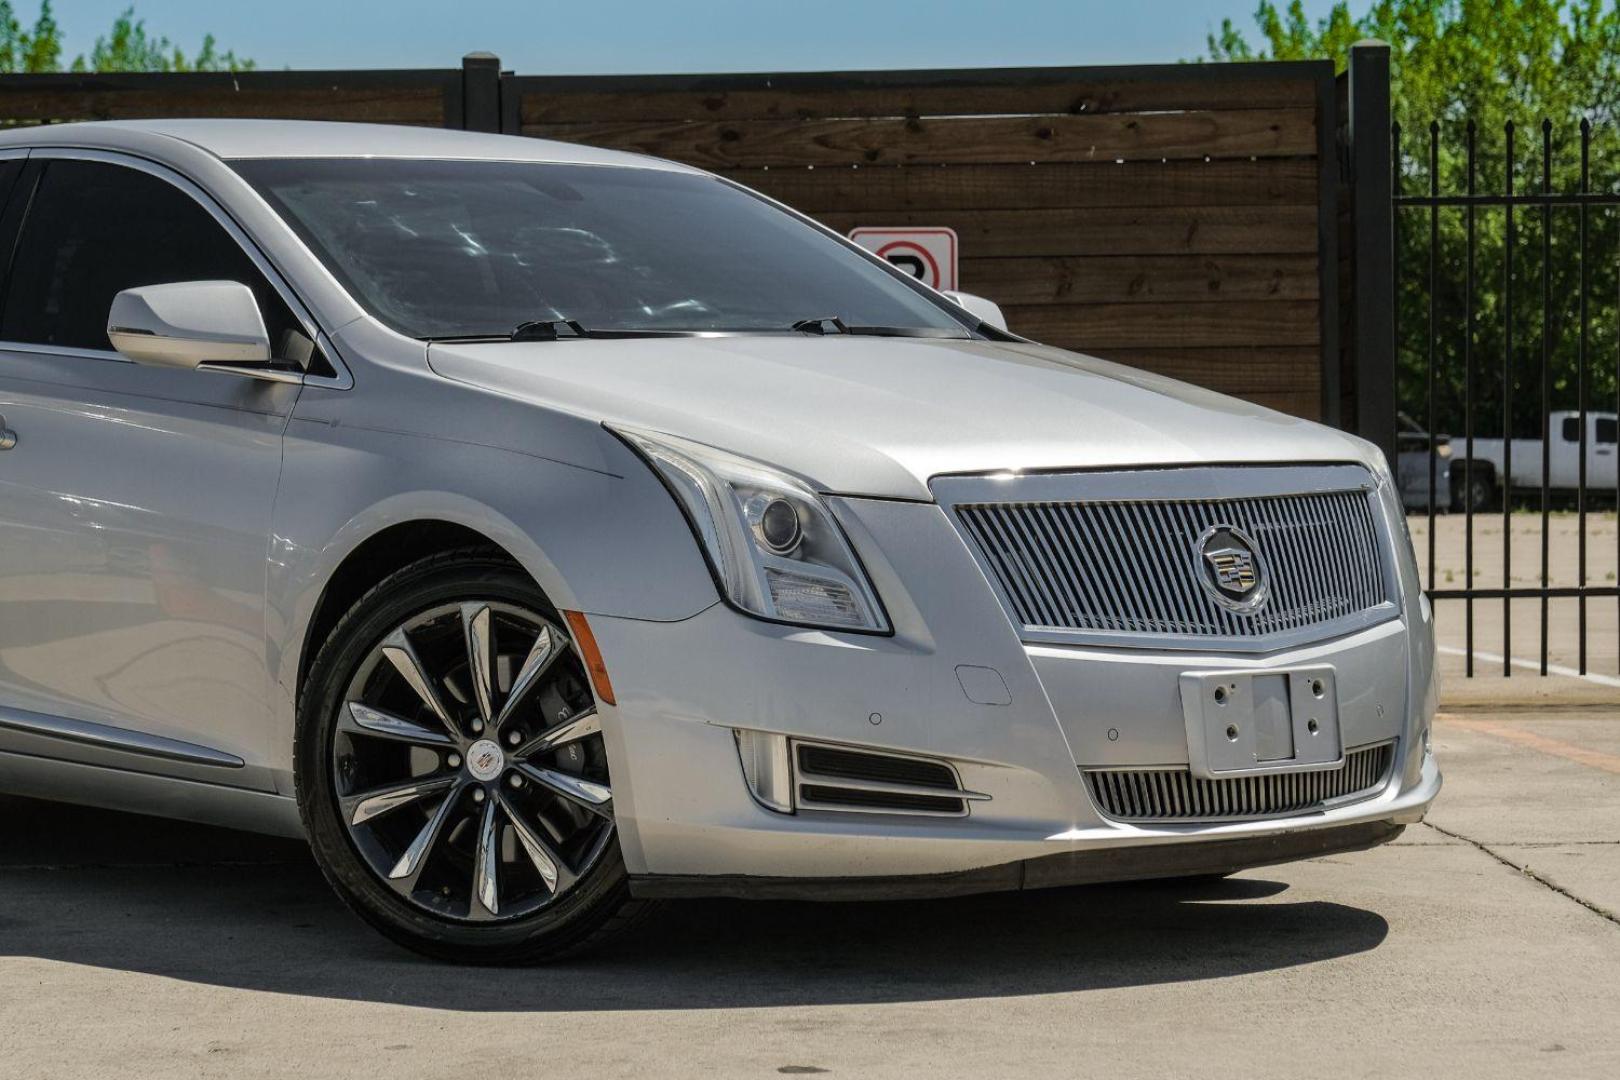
<point x="772" y="543"/>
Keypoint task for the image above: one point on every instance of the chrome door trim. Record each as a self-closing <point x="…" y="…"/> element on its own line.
<point x="342" y="380"/>
<point x="185" y="798"/>
<point x="1152" y="484"/>
<point x="107" y="737"/>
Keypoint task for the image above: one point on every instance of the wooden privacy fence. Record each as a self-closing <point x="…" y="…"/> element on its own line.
<point x="1185" y="218"/>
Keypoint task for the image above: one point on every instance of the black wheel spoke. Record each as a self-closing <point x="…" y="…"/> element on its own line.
<point x="597" y="798"/>
<point x="361" y="719"/>
<point x="399" y="652"/>
<point x="477" y="627"/>
<point x="580" y="726"/>
<point x="548" y="862"/>
<point x="486" y="882"/>
<point x="405" y="874"/>
<point x="548" y="647"/>
<point x="367" y="806"/>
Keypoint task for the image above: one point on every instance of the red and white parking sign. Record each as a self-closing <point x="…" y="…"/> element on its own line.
<point x="929" y="255"/>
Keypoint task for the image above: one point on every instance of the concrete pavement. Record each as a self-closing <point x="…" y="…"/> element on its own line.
<point x="1487" y="945"/>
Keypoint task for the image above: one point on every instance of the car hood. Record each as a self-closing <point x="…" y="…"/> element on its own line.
<point x="881" y="416"/>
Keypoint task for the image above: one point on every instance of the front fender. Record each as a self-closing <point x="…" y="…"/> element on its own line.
<point x="605" y="538"/>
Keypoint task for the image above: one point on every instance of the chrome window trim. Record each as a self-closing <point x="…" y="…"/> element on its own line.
<point x="1152" y="484"/>
<point x="110" y="355"/>
<point x="342" y="380"/>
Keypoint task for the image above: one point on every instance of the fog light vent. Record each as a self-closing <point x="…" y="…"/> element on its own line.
<point x="787" y="775"/>
<point x="865" y="781"/>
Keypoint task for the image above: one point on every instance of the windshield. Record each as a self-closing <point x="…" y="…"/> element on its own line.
<point x="441" y="249"/>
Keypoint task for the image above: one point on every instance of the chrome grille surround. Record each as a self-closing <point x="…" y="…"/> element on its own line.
<point x="1162" y="793"/>
<point x="1111" y="558"/>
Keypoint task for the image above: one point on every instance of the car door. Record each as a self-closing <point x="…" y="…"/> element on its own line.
<point x="135" y="501"/>
<point x="1601" y="452"/>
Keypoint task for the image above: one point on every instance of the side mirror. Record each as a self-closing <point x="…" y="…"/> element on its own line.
<point x="189" y="324"/>
<point x="986" y="311"/>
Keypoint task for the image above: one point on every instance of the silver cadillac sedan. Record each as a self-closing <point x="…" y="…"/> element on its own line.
<point x="540" y="531"/>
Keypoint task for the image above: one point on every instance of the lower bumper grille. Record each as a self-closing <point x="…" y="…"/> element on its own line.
<point x="1177" y="795"/>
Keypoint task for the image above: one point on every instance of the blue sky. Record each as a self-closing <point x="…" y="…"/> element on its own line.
<point x="536" y="37"/>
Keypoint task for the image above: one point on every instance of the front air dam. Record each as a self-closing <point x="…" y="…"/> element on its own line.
<point x="1091" y="866"/>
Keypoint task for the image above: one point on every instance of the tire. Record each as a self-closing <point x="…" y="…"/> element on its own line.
<point x="1480" y="490"/>
<point x="434" y="839"/>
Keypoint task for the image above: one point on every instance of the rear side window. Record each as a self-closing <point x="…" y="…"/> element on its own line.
<point x="1605" y="430"/>
<point x="94" y="229"/>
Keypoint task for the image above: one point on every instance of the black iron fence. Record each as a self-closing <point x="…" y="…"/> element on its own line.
<point x="1506" y="317"/>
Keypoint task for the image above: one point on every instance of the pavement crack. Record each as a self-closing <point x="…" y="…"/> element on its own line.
<point x="1600" y="912"/>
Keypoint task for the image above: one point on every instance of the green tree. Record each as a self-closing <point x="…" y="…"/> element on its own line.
<point x="126" y="47"/>
<point x="1492" y="63"/>
<point x="36" y="49"/>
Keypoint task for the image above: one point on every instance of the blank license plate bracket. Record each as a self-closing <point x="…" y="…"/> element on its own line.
<point x="1247" y="722"/>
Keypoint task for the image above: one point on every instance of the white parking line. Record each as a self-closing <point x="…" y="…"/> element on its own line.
<point x="1552" y="669"/>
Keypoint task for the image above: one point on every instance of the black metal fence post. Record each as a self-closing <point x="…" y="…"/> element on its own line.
<point x="1373" y="328"/>
<point x="481" y="92"/>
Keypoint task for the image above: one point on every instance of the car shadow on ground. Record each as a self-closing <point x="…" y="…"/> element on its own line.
<point x="215" y="907"/>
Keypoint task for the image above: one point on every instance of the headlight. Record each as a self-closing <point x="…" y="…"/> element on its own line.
<point x="773" y="545"/>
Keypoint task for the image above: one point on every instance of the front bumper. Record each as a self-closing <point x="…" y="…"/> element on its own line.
<point x="1084" y="867"/>
<point x="689" y="825"/>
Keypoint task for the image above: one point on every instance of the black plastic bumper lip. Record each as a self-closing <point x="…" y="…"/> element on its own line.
<point x="1090" y="867"/>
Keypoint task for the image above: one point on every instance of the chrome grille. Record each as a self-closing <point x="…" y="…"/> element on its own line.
<point x="1126" y="566"/>
<point x="1177" y="795"/>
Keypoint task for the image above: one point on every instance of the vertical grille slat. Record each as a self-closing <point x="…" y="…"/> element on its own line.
<point x="1131" y="566"/>
<point x="1174" y="794"/>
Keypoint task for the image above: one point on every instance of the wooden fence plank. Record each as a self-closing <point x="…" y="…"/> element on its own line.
<point x="1088" y="327"/>
<point x="1266" y="181"/>
<point x="1142" y="278"/>
<point x="726" y="144"/>
<point x="556" y="101"/>
<point x="1283" y="230"/>
<point x="1230" y="370"/>
<point x="1286" y="379"/>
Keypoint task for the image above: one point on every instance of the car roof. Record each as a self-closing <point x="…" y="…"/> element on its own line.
<point x="236" y="139"/>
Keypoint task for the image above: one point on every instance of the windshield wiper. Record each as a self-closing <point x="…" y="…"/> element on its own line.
<point x="819" y="326"/>
<point x="547" y="330"/>
<point x="832" y="324"/>
<point x="558" y="330"/>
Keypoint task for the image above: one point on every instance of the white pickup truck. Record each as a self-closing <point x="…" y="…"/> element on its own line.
<point x="1564" y="460"/>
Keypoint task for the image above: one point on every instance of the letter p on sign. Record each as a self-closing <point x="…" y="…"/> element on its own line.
<point x="929" y="255"/>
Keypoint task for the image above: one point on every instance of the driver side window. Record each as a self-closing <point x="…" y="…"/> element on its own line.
<point x="93" y="229"/>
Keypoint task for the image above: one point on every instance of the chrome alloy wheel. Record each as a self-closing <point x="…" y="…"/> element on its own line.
<point x="468" y="763"/>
